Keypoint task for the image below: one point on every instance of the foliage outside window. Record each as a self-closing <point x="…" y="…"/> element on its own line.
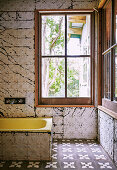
<point x="64" y="58"/>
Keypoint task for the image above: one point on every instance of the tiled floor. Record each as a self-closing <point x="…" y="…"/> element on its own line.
<point x="68" y="154"/>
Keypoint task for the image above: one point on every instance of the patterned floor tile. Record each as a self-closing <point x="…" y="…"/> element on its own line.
<point x="55" y="144"/>
<point x="66" y="144"/>
<point x="33" y="164"/>
<point x="16" y="164"/>
<point x="79" y="144"/>
<point x="68" y="165"/>
<point x="54" y="156"/>
<point x="83" y="156"/>
<point x="66" y="150"/>
<point x="54" y="149"/>
<point x="98" y="157"/>
<point x="51" y="165"/>
<point x="81" y="150"/>
<point x="96" y="150"/>
<point x="2" y="164"/>
<point x="68" y="154"/>
<point x="87" y="165"/>
<point x="92" y="144"/>
<point x="55" y="140"/>
<point x="105" y="165"/>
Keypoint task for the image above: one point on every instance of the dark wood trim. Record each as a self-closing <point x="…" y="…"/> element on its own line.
<point x="36" y="58"/>
<point x="114" y="41"/>
<point x="114" y="11"/>
<point x="100" y="57"/>
<point x="106" y="3"/>
<point x="101" y="4"/>
<point x="40" y="61"/>
<point x="112" y="105"/>
<point x="65" y="55"/>
<point x="112" y="52"/>
<point x="66" y="106"/>
<point x="112" y="24"/>
<point x="92" y="67"/>
<point x="109" y="49"/>
<point x="65" y="101"/>
<point x="106" y="103"/>
<point x="111" y="76"/>
<point x="68" y="11"/>
<point x="114" y="74"/>
<point x="91" y="52"/>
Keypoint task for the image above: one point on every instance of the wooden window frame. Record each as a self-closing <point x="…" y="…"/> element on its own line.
<point x="61" y="102"/>
<point x="112" y="102"/>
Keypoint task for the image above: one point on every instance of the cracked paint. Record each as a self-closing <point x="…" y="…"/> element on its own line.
<point x="17" y="74"/>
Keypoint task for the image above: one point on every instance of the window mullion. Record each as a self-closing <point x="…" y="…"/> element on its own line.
<point x="112" y="52"/>
<point x="112" y="78"/>
<point x="65" y="56"/>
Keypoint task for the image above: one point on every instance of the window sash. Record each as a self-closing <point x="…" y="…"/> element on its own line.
<point x="107" y="75"/>
<point x="66" y="100"/>
<point x="111" y="51"/>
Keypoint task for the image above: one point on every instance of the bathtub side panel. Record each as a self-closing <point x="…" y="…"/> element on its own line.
<point x="33" y="146"/>
<point x="45" y="146"/>
<point x="39" y="146"/>
<point x="25" y="146"/>
<point x="21" y="146"/>
<point x="1" y="150"/>
<point x="8" y="146"/>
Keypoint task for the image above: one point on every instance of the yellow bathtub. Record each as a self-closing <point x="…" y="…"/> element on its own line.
<point x="26" y="124"/>
<point x="31" y="138"/>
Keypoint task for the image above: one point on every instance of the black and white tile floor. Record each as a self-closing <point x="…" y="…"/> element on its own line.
<point x="68" y="154"/>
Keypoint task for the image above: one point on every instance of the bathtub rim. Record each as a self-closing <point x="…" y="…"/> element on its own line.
<point x="46" y="129"/>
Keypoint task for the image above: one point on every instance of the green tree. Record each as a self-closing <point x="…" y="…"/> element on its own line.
<point x="54" y="68"/>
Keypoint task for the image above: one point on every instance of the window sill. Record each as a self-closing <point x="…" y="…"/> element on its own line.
<point x="111" y="105"/>
<point x="108" y="111"/>
<point x="65" y="106"/>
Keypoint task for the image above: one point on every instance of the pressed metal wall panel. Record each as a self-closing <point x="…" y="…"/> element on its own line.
<point x="17" y="69"/>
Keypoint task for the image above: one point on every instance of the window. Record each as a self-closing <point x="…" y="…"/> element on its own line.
<point x="63" y="58"/>
<point x="107" y="12"/>
<point x="115" y="76"/>
<point x="107" y="75"/>
<point x="110" y="55"/>
<point x="115" y="50"/>
<point x="107" y="25"/>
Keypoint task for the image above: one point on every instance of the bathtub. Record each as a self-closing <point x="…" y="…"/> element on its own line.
<point x="25" y="138"/>
<point x="26" y="124"/>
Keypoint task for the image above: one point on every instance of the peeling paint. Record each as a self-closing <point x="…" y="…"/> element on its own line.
<point x="17" y="68"/>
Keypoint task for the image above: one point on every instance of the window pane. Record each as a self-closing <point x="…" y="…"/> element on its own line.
<point x="53" y="77"/>
<point x="78" y="35"/>
<point x="107" y="26"/>
<point x="78" y="77"/>
<point x="53" y="35"/>
<point x="107" y="77"/>
<point x="115" y="20"/>
<point x="115" y="72"/>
